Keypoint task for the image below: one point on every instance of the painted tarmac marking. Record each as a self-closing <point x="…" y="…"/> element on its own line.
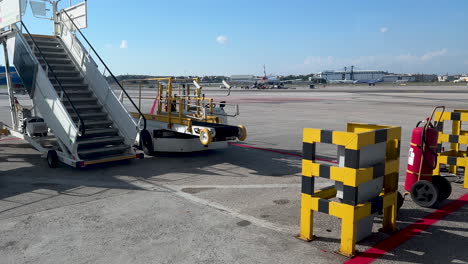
<point x="248" y="186"/>
<point x="408" y="232"/>
<point x="276" y="151"/>
<point x="234" y="213"/>
<point x="9" y="139"/>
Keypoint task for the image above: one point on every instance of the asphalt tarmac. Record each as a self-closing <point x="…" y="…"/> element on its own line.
<point x="236" y="205"/>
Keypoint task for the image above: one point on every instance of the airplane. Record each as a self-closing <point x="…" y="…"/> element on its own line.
<point x="371" y="82"/>
<point x="274" y="81"/>
<point x="341" y="81"/>
<point x="15" y="79"/>
<point x="264" y="82"/>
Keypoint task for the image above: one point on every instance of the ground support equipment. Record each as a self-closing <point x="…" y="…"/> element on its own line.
<point x="182" y="119"/>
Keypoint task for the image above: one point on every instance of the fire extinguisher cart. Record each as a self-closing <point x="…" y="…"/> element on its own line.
<point x="425" y="186"/>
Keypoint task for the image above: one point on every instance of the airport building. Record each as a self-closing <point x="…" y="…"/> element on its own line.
<point x="395" y="78"/>
<point x="242" y="78"/>
<point x="351" y="75"/>
<point x="446" y="78"/>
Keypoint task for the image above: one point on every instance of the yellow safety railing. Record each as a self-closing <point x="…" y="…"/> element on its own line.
<point x="183" y="107"/>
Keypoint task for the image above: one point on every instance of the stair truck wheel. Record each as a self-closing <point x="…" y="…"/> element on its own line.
<point x="444" y="186"/>
<point x="424" y="193"/>
<point x="52" y="158"/>
<point x="242" y="135"/>
<point x="205" y="136"/>
<point x="146" y="142"/>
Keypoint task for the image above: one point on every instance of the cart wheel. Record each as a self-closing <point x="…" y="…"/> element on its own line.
<point x="444" y="186"/>
<point x="146" y="142"/>
<point x="400" y="200"/>
<point x="205" y="136"/>
<point x="424" y="193"/>
<point x="242" y="135"/>
<point x="52" y="159"/>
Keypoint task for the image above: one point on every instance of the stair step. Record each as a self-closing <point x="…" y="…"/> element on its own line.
<point x="45" y="46"/>
<point x="102" y="151"/>
<point x="71" y="86"/>
<point x="80" y="100"/>
<point x="97" y="123"/>
<point x="43" y="41"/>
<point x="78" y="93"/>
<point x="87" y="116"/>
<point x="63" y="73"/>
<point x="50" y="48"/>
<point x="55" y="61"/>
<point x="100" y="141"/>
<point x="64" y="78"/>
<point x="100" y="132"/>
<point x="50" y="54"/>
<point x="58" y="67"/>
<point x="110" y="158"/>
<point x="44" y="37"/>
<point x="84" y="108"/>
<point x="67" y="80"/>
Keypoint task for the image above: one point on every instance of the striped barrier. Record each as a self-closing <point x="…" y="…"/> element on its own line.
<point x="357" y="137"/>
<point x="454" y="157"/>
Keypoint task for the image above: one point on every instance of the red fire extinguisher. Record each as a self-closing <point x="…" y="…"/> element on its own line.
<point x="424" y="187"/>
<point x="422" y="156"/>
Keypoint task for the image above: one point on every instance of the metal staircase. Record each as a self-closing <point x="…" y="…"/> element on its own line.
<point x="100" y="139"/>
<point x="70" y="95"/>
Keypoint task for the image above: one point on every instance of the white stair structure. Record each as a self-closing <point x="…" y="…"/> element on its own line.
<point x="89" y="124"/>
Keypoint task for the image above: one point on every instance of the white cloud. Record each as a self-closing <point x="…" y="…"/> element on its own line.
<point x="124" y="44"/>
<point x="433" y="54"/>
<point x="383" y="29"/>
<point x="399" y="63"/>
<point x="221" y="39"/>
<point x="331" y="62"/>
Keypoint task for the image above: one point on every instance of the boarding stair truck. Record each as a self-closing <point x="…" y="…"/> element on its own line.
<point x="182" y="119"/>
<point x="70" y="95"/>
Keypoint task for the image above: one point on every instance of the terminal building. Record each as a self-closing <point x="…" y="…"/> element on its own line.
<point x="241" y="78"/>
<point x="351" y="75"/>
<point x="396" y="78"/>
<point x="363" y="76"/>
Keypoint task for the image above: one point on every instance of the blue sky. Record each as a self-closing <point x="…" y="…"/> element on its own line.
<point x="208" y="37"/>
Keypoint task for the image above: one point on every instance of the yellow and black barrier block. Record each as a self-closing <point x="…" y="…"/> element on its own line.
<point x="453" y="157"/>
<point x="350" y="210"/>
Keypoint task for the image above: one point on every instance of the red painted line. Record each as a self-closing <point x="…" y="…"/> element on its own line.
<point x="408" y="232"/>
<point x="275" y="151"/>
<point x="9" y="139"/>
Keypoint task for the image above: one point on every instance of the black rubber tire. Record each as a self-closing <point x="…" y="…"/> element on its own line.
<point x="44" y="134"/>
<point x="424" y="193"/>
<point x="400" y="200"/>
<point x="444" y="186"/>
<point x="146" y="143"/>
<point x="52" y="159"/>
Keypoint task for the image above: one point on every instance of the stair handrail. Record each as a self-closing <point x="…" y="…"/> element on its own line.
<point x="81" y="126"/>
<point x="107" y="68"/>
